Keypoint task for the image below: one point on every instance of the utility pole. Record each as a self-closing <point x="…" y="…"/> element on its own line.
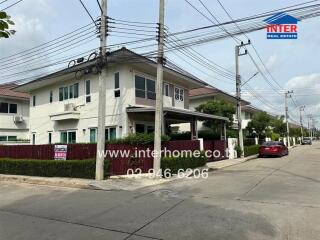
<point x="159" y="96"/>
<point x="238" y="90"/>
<point x="286" y="96"/>
<point x="301" y="122"/>
<point x="102" y="94"/>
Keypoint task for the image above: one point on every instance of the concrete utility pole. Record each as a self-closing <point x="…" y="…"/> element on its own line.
<point x="286" y="96"/>
<point x="159" y="97"/>
<point x="102" y="94"/>
<point x="301" y="122"/>
<point x="238" y="90"/>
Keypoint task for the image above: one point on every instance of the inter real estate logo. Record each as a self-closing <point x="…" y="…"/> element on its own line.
<point x="282" y="26"/>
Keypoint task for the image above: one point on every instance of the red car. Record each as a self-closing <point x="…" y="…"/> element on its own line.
<point x="273" y="149"/>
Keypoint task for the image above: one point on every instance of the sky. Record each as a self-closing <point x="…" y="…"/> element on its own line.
<point x="294" y="64"/>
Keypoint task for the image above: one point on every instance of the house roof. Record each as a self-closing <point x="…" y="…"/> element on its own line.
<point x="122" y="55"/>
<point x="212" y="91"/>
<point x="7" y="90"/>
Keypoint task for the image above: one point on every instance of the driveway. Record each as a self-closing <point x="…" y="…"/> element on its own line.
<point x="269" y="198"/>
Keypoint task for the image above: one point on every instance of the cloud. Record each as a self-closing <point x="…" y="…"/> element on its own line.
<point x="272" y="61"/>
<point x="304" y="81"/>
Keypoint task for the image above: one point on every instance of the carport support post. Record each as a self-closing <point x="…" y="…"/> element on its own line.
<point x="159" y="95"/>
<point x="194" y="129"/>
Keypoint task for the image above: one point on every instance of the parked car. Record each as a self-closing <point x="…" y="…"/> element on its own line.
<point x="273" y="148"/>
<point x="306" y="141"/>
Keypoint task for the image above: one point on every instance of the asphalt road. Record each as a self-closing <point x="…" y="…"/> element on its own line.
<point x="270" y="198"/>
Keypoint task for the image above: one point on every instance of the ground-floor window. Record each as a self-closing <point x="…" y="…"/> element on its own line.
<point x="8" y="138"/>
<point x="50" y="137"/>
<point x="144" y="128"/>
<point x="111" y="133"/>
<point x="68" y="137"/>
<point x="93" y="135"/>
<point x="33" y="138"/>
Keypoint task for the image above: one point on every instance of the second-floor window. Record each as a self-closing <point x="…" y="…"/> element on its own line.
<point x="179" y="94"/>
<point x="51" y="96"/>
<point x="8" y="107"/>
<point x="145" y="88"/>
<point x="34" y="100"/>
<point x="116" y="85"/>
<point x="69" y="92"/>
<point x="88" y="91"/>
<point x="166" y="89"/>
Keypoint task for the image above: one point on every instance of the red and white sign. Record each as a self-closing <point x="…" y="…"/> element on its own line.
<point x="60" y="152"/>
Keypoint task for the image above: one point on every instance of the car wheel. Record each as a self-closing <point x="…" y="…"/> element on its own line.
<point x="261" y="156"/>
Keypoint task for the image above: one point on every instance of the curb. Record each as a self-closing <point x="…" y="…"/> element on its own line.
<point x="59" y="182"/>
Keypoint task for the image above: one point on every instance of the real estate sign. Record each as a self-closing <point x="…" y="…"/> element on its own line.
<point x="60" y="152"/>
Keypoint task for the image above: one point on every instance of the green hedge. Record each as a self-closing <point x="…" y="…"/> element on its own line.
<point x="139" y="139"/>
<point x="50" y="168"/>
<point x="176" y="163"/>
<point x="251" y="150"/>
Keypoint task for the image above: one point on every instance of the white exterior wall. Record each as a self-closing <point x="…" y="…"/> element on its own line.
<point x="7" y="125"/>
<point x="41" y="123"/>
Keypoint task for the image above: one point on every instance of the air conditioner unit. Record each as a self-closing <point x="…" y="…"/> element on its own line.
<point x="18" y="119"/>
<point x="69" y="107"/>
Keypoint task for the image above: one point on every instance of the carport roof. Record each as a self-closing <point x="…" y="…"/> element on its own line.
<point x="186" y="114"/>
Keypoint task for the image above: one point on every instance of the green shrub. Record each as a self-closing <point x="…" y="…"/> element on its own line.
<point x="249" y="141"/>
<point x="139" y="139"/>
<point x="176" y="163"/>
<point x="251" y="150"/>
<point x="50" y="168"/>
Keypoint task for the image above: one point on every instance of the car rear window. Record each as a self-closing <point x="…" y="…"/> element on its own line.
<point x="265" y="144"/>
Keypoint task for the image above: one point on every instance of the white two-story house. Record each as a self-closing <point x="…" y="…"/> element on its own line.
<point x="14" y="114"/>
<point x="64" y="105"/>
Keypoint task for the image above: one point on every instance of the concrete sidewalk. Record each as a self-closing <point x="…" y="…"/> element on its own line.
<point x="114" y="183"/>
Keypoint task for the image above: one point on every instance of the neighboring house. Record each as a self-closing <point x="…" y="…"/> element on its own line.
<point x="64" y="105"/>
<point x="204" y="94"/>
<point x="14" y="114"/>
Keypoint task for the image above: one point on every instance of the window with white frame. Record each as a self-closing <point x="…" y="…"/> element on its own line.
<point x="8" y="107"/>
<point x="179" y="94"/>
<point x="110" y="133"/>
<point x="116" y="85"/>
<point x="166" y="89"/>
<point x="68" y="137"/>
<point x="68" y="92"/>
<point x="144" y="128"/>
<point x="93" y="135"/>
<point x="88" y="91"/>
<point x="145" y="88"/>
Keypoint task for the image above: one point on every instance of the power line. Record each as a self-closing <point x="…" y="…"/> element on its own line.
<point x="254" y="48"/>
<point x="11" y="5"/>
<point x="85" y="8"/>
<point x="4" y="1"/>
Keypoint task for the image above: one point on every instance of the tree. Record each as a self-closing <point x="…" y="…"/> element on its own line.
<point x="219" y="108"/>
<point x="260" y="124"/>
<point x="5" y="22"/>
<point x="279" y="126"/>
